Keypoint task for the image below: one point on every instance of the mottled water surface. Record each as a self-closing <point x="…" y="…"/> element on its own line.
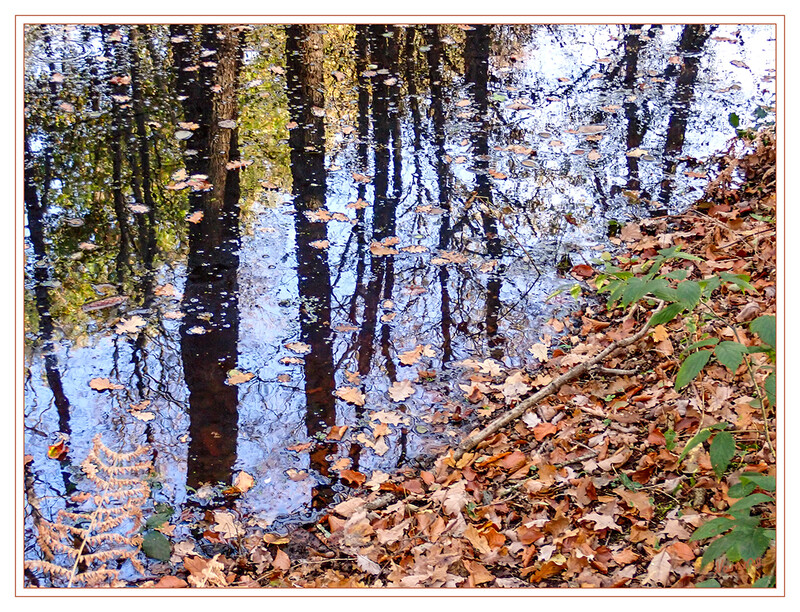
<point x="280" y="219"/>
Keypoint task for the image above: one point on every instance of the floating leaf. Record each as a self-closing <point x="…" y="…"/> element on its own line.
<point x="227" y="124"/>
<point x="401" y="390"/>
<point x="351" y="395"/>
<point x="411" y="357"/>
<point x="235" y="377"/>
<point x="103" y="384"/>
<point x="156" y="546"/>
<point x="108" y="302"/>
<point x="301" y="348"/>
<point x="195" y="217"/>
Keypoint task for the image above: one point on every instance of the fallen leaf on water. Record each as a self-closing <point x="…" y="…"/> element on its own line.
<point x="379" y="250"/>
<point x="102" y="384"/>
<point x="345" y="328"/>
<point x="636" y="153"/>
<point x="167" y="290"/>
<point x="296" y="475"/>
<point x="361" y="178"/>
<point x="143" y="415"/>
<point x="539" y="351"/>
<point x="227" y="124"/>
<point x="336" y="432"/>
<point x="301" y="348"/>
<point x="108" y="302"/>
<point x="57" y="451"/>
<point x="390" y="418"/>
<point x="174" y="314"/>
<point x="244" y="482"/>
<point x="351" y="395"/>
<point x="592" y="129"/>
<point x="401" y="390"/>
<point x="411" y="357"/>
<point x="195" y="217"/>
<point x="235" y="377"/>
<point x="299" y="448"/>
<point x="582" y="271"/>
<point x="320" y="244"/>
<point x="138" y="208"/>
<point x="593" y="155"/>
<point x="357" y="478"/>
<point x="196" y="330"/>
<point x="292" y="360"/>
<point x="358" y="204"/>
<point x="129" y="326"/>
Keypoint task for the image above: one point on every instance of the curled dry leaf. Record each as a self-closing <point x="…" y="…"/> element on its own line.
<point x="411" y="357"/>
<point x="244" y="482"/>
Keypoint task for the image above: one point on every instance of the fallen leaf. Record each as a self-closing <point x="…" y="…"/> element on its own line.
<point x="659" y="569"/>
<point x="301" y="348"/>
<point x="379" y="250"/>
<point x="235" y="377"/>
<point x="351" y="395"/>
<point x="244" y="482"/>
<point x="514" y="385"/>
<point x="412" y="356"/>
<point x="57" y="451"/>
<point x="401" y="390"/>
<point x="195" y="217"/>
<point x="103" y="384"/>
<point x="129" y="326"/>
<point x="107" y="302"/>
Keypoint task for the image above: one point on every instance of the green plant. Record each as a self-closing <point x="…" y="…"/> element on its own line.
<point x="744" y="538"/>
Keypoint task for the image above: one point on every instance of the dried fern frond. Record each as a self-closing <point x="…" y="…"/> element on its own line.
<point x="86" y="545"/>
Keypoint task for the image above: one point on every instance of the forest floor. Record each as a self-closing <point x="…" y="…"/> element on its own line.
<point x="603" y="482"/>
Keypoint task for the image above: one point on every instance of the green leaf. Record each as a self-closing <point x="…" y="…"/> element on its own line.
<point x="762" y="481"/>
<point x="730" y="354"/>
<point x="702" y="343"/>
<point x="711" y="528"/>
<point x="665" y="315"/>
<point x="765" y="326"/>
<point x="678" y="275"/>
<point x="741" y="489"/>
<point x="691" y="368"/>
<point x="740" y="280"/>
<point x="769" y="387"/>
<point x="669" y="437"/>
<point x="750" y="501"/>
<point x="733" y="119"/>
<point x="628" y="483"/>
<point x="717" y="548"/>
<point x="156" y="546"/>
<point x="722" y="450"/>
<point x="708" y="584"/>
<point x="700" y="437"/>
<point x="157" y="520"/>
<point x="688" y="294"/>
<point x="765" y="582"/>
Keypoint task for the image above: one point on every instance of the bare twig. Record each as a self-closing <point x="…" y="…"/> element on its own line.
<point x="473" y="440"/>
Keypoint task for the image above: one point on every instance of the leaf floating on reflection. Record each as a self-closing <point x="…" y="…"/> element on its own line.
<point x="337" y="432"/>
<point x="87" y="246"/>
<point x="361" y="178"/>
<point x="235" y="377"/>
<point x="337" y="216"/>
<point x="379" y="250"/>
<point x="595" y="128"/>
<point x="345" y="328"/>
<point x="539" y="351"/>
<point x="411" y="357"/>
<point x="401" y="390"/>
<point x="593" y="155"/>
<point x="301" y="348"/>
<point x="491" y="367"/>
<point x="389" y="316"/>
<point x="167" y="290"/>
<point x="317" y="216"/>
<point x="351" y="395"/>
<point x="414" y="248"/>
<point x="739" y="64"/>
<point x="129" y="326"/>
<point x="292" y="361"/>
<point x="519" y="105"/>
<point x="195" y="217"/>
<point x="636" y="153"/>
<point x="196" y="330"/>
<point x="188" y="125"/>
<point x="75" y="222"/>
<point x="143" y="415"/>
<point x="183" y="134"/>
<point x="174" y="314"/>
<point x="284" y="378"/>
<point x="244" y="482"/>
<point x="108" y="302"/>
<point x="57" y="77"/>
<point x="103" y="384"/>
<point x="299" y="448"/>
<point x="296" y="475"/>
<point x="390" y="418"/>
<point x="320" y="244"/>
<point x="556" y="144"/>
<point x="57" y="451"/>
<point x="227" y="124"/>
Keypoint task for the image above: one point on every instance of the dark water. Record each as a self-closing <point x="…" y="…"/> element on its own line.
<point x="364" y="191"/>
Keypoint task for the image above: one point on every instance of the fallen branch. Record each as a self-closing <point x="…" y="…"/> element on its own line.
<point x="473" y="440"/>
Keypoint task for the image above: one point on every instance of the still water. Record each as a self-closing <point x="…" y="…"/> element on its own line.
<point x="303" y="234"/>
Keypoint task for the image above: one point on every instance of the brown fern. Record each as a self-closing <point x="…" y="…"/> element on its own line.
<point x="82" y="547"/>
